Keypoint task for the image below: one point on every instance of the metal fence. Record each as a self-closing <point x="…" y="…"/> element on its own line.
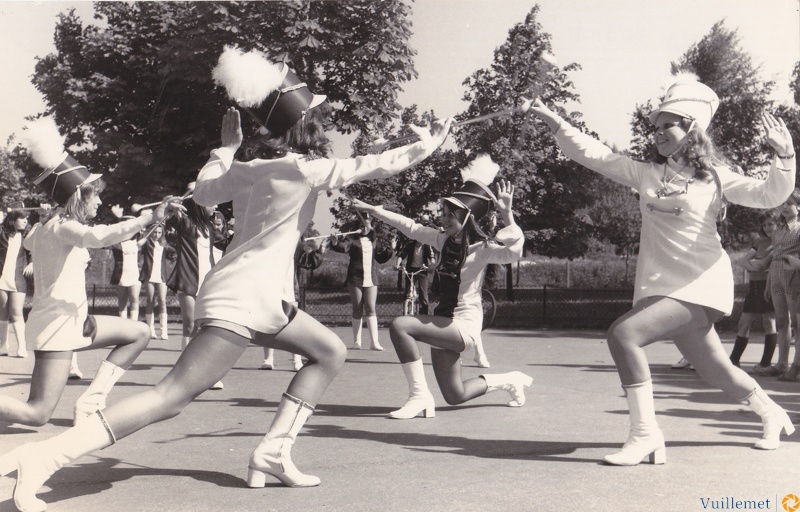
<point x="526" y="308"/>
<point x="530" y="307"/>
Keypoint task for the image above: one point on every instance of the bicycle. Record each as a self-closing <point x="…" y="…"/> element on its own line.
<point x="410" y="304"/>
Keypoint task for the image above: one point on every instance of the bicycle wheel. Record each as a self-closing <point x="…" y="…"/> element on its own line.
<point x="407" y="305"/>
<point x="489" y="308"/>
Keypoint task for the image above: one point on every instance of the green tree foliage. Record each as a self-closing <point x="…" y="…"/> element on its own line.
<point x="134" y="93"/>
<point x="721" y="63"/>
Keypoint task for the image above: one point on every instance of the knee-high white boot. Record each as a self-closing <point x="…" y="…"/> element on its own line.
<point x="513" y="382"/>
<point x="272" y="456"/>
<point x="74" y="371"/>
<point x="164" y="328"/>
<point x="297" y="362"/>
<point x="35" y="463"/>
<point x="356" y="322"/>
<point x="151" y="323"/>
<point x="269" y="360"/>
<point x="94" y="398"/>
<point x="773" y="418"/>
<point x="645" y="438"/>
<point x="372" y="327"/>
<point x="480" y="355"/>
<point x="420" y="398"/>
<point x="19" y="332"/>
<point x="4" y="349"/>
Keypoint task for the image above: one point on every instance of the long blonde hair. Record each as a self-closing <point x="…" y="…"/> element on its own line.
<point x="76" y="206"/>
<point x="700" y="152"/>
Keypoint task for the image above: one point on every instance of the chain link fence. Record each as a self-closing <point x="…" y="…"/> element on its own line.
<point x="530" y="307"/>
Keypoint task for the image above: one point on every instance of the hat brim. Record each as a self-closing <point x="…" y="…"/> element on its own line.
<point x="654" y="114"/>
<point x="91" y="178"/>
<point x="454" y="202"/>
<point x="317" y="100"/>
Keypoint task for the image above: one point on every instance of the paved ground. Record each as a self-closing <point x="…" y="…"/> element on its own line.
<point x="476" y="457"/>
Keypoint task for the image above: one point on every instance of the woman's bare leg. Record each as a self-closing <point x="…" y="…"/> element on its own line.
<point x="50" y="372"/>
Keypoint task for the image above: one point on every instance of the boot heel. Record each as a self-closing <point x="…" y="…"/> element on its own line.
<point x="788" y="427"/>
<point x="659" y="456"/>
<point x="256" y="478"/>
<point x="430" y="412"/>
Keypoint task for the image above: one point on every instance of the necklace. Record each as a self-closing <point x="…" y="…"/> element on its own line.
<point x="668" y="189"/>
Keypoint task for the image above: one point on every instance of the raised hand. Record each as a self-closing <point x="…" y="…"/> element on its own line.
<point x="505" y="196"/>
<point x="778" y="136"/>
<point x="232" y="130"/>
<point x="169" y="203"/>
<point x="551" y="119"/>
<point x="434" y="136"/>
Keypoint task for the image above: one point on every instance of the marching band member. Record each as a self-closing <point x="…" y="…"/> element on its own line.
<point x="684" y="282"/>
<point x="287" y="163"/>
<point x="59" y="323"/>
<point x="465" y="251"/>
<point x="155" y="254"/>
<point x="14" y="268"/>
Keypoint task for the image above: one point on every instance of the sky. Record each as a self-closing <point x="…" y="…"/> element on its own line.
<point x="623" y="46"/>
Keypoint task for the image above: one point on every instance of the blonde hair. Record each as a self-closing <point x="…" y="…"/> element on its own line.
<point x="76" y="206"/>
<point x="700" y="151"/>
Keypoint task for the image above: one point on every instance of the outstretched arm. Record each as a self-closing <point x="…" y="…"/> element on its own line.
<point x="332" y="173"/>
<point x="406" y="226"/>
<point x="588" y="151"/>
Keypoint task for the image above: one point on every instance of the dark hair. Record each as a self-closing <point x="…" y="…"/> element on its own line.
<point x="470" y="233"/>
<point x="11" y="218"/>
<point x="306" y="136"/>
<point x="198" y="216"/>
<point x="700" y="152"/>
<point x="780" y="218"/>
<point x="769" y="215"/>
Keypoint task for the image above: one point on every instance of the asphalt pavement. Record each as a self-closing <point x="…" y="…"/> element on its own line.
<point x="483" y="455"/>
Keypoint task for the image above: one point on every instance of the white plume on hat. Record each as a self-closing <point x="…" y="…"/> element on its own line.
<point x="44" y="142"/>
<point x="482" y="169"/>
<point x="249" y="78"/>
<point x="679" y="76"/>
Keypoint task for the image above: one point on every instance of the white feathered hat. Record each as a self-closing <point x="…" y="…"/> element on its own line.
<point x="688" y="97"/>
<point x="62" y="175"/>
<point x="271" y="93"/>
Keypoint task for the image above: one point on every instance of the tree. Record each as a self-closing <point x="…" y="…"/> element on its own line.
<point x="791" y="113"/>
<point x="14" y="186"/>
<point x="135" y="95"/>
<point x="721" y="63"/>
<point x="412" y="193"/>
<point x="616" y="218"/>
<point x="549" y="188"/>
